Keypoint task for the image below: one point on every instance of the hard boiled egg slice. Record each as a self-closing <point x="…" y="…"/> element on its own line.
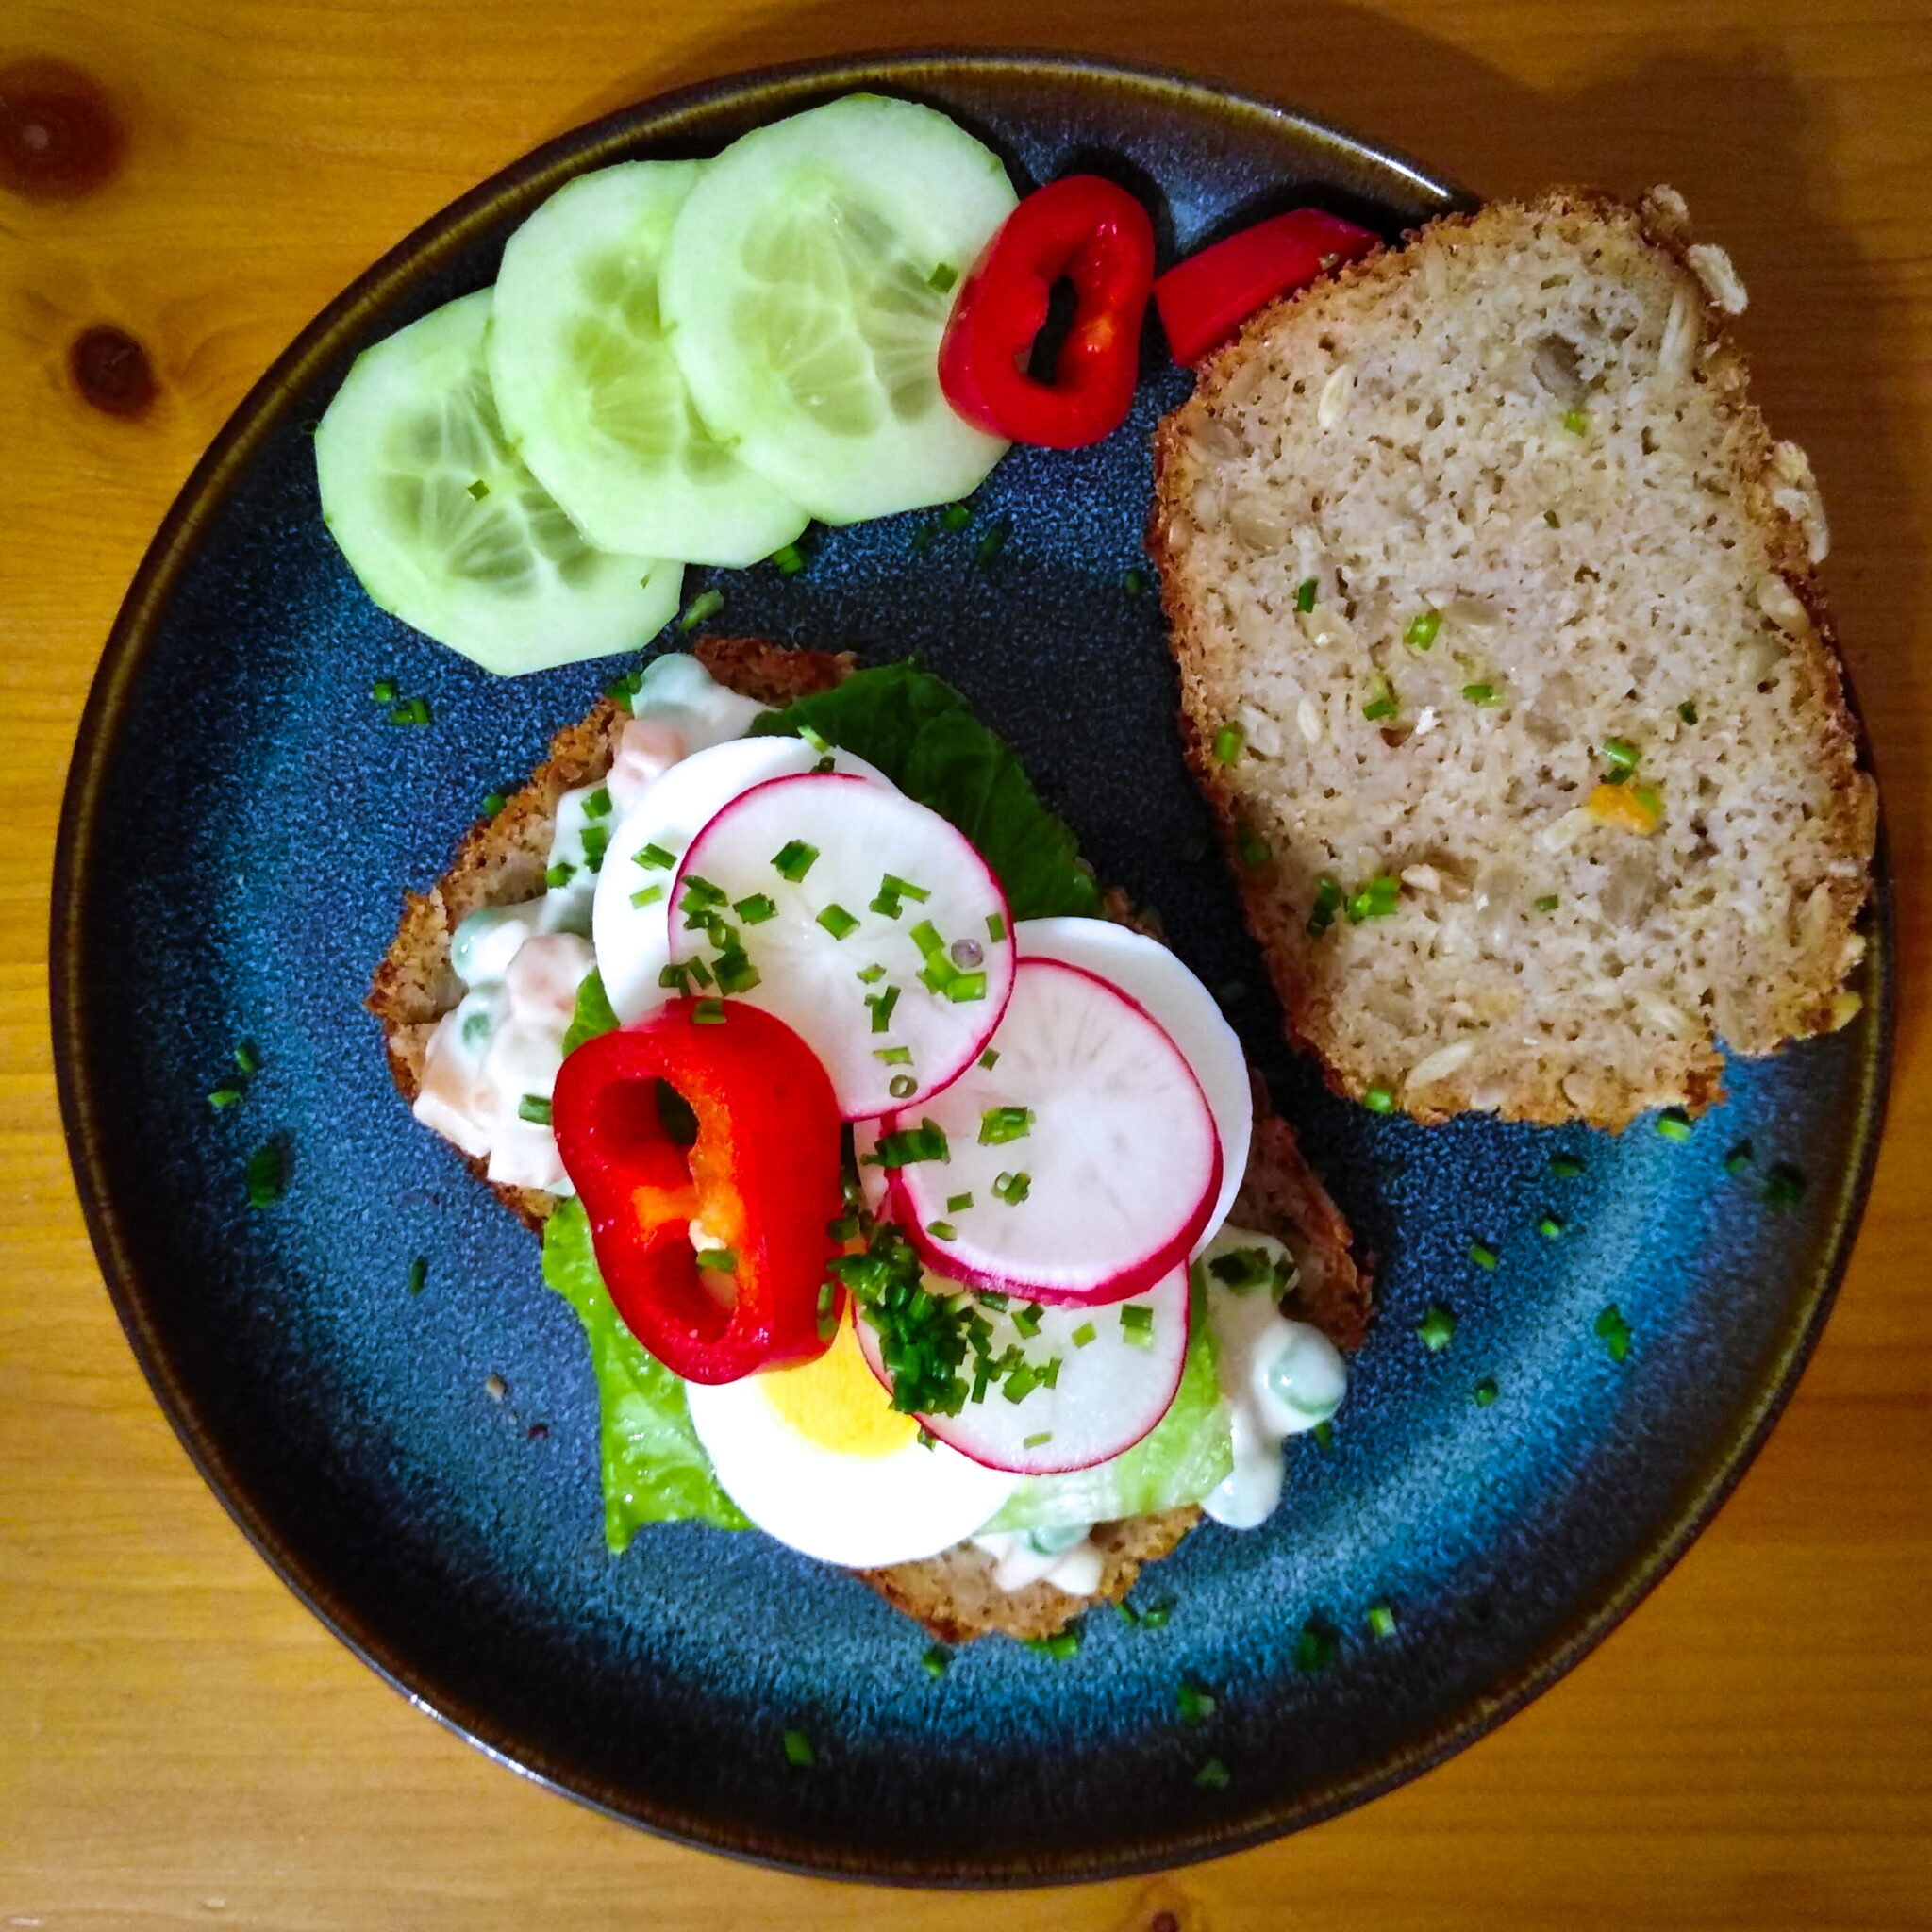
<point x="818" y="1458"/>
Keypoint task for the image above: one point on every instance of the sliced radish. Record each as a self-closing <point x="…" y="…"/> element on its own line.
<point x="871" y="926"/>
<point x="633" y="939"/>
<point x="1088" y="1148"/>
<point x="1118" y="1368"/>
<point x="1149" y="972"/>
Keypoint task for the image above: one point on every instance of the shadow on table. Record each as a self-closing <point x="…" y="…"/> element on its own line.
<point x="1719" y="117"/>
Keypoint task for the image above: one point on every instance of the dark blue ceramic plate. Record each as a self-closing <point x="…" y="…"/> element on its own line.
<point x="240" y="826"/>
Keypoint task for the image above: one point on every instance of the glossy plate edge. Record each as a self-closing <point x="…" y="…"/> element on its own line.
<point x="525" y="182"/>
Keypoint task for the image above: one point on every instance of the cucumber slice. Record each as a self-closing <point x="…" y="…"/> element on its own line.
<point x="807" y="284"/>
<point x="590" y="392"/>
<point x="448" y="530"/>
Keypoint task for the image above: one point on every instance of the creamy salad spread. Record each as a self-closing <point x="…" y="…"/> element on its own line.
<point x="492" y="1065"/>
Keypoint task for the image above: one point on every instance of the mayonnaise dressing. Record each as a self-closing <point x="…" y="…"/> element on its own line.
<point x="1279" y="1378"/>
<point x="1067" y="1558"/>
<point x="521" y="966"/>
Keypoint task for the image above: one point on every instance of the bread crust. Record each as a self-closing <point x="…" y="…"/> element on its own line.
<point x="1773" y="483"/>
<point x="501" y="859"/>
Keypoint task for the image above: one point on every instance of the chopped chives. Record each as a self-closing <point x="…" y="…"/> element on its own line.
<point x="1195" y="1705"/>
<point x="1482" y="693"/>
<point x="838" y="922"/>
<point x="1738" y="1160"/>
<point x="1228" y="743"/>
<point x="1060" y="1645"/>
<point x="1254" y="850"/>
<point x="798" y="1751"/>
<point x="789" y="559"/>
<point x="410" y="711"/>
<point x="990" y="545"/>
<point x="1673" y="1123"/>
<point x="654" y="858"/>
<point x="1136" y="1325"/>
<point x="1026" y="1319"/>
<point x="794" y="860"/>
<point x="1483" y="1255"/>
<point x="535" y="1109"/>
<point x="596" y="842"/>
<point x="1085" y="1333"/>
<point x="1437" y="1328"/>
<point x="1012" y="1187"/>
<point x="721" y="1261"/>
<point x="942" y="1230"/>
<point x="942" y="278"/>
<point x="1621" y="755"/>
<point x="598" y="805"/>
<point x="265" y="1175"/>
<point x="1314" y="1649"/>
<point x="1548" y="902"/>
<point x="990" y="1058"/>
<point x="902" y="1087"/>
<point x="1614" y="1332"/>
<point x="956" y="516"/>
<point x="1305" y="595"/>
<point x="926" y="1142"/>
<point x="1213" y="1776"/>
<point x="999" y="1124"/>
<point x="1378" y="1099"/>
<point x="706" y="604"/>
<point x="699" y="893"/>
<point x="882" y="1004"/>
<point x="419" y="1275"/>
<point x="479" y="490"/>
<point x="1380" y="701"/>
<point x="958" y="1204"/>
<point x="1328" y="897"/>
<point x="753" y="911"/>
<point x="1132" y="582"/>
<point x="1039" y="1441"/>
<point x="1422" y="630"/>
<point x="1550" y="1227"/>
<point x="1784" y="1187"/>
<point x="1577" y="421"/>
<point x="1566" y="1167"/>
<point x="1376" y="899"/>
<point x="493" y="802"/>
<point x="1485" y="1392"/>
<point x="1381" y="1620"/>
<point x="935" y="1662"/>
<point x="223" y="1096"/>
<point x="383" y="692"/>
<point x="736" y="973"/>
<point x="1325" y="1436"/>
<point x="708" y="1013"/>
<point x="892" y="1056"/>
<point x="248" y="1058"/>
<point x="560" y="875"/>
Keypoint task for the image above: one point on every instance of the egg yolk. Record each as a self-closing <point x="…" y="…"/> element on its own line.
<point x="837" y="1402"/>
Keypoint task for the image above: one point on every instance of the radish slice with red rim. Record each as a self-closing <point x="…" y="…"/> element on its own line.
<point x="1154" y="976"/>
<point x="629" y="926"/>
<point x="860" y="917"/>
<point x="1081" y="1166"/>
<point x="1091" y="1382"/>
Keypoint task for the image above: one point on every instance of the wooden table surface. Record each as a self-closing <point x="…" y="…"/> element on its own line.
<point x="180" y="1743"/>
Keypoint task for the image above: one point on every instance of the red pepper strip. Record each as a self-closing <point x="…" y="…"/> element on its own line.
<point x="762" y="1176"/>
<point x="1204" y="299"/>
<point x="1094" y="235"/>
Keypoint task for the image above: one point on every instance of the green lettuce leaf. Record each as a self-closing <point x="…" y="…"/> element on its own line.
<point x="593" y="1015"/>
<point x="919" y="731"/>
<point x="1184" y="1458"/>
<point x="655" y="1468"/>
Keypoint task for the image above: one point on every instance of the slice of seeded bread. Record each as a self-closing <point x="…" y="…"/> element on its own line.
<point x="500" y="860"/>
<point x="1445" y="540"/>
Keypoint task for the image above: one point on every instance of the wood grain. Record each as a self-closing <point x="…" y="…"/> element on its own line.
<point x="181" y="1744"/>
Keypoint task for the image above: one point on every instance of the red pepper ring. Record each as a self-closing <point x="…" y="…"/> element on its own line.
<point x="1094" y="235"/>
<point x="762" y="1176"/>
<point x="1205" y="299"/>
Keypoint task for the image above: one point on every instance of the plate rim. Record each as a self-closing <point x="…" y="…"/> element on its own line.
<point x="169" y="553"/>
